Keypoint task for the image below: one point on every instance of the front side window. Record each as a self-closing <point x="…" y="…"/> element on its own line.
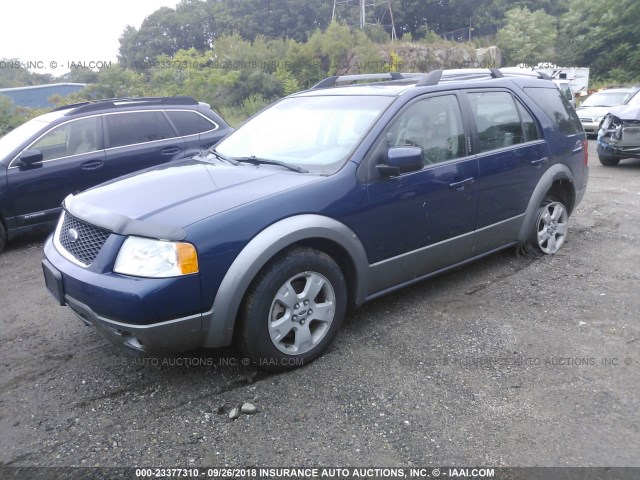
<point x="435" y="125"/>
<point x="497" y="120"/>
<point x="132" y="128"/>
<point x="72" y="138"/>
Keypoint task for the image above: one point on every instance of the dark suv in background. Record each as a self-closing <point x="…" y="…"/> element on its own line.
<point x="75" y="147"/>
<point x="328" y="198"/>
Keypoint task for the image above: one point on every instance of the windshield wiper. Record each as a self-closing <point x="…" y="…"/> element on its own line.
<point x="264" y="161"/>
<point x="219" y="156"/>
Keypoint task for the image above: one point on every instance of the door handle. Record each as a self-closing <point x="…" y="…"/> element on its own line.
<point x="91" y="164"/>
<point x="458" y="186"/>
<point x="539" y="161"/>
<point x="170" y="150"/>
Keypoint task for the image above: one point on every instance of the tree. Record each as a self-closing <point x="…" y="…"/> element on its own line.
<point x="7" y="110"/>
<point x="604" y="37"/>
<point x="295" y="19"/>
<point x="166" y="31"/>
<point x="13" y="74"/>
<point x="527" y="37"/>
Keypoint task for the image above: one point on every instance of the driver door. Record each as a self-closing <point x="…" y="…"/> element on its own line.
<point x="420" y="219"/>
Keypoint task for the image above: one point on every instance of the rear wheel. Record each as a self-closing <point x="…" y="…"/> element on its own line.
<point x="550" y="228"/>
<point x="293" y="310"/>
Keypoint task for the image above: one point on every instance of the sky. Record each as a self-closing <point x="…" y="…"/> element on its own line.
<point x="48" y="36"/>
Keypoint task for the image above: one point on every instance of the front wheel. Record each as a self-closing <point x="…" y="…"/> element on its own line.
<point x="550" y="228"/>
<point x="3" y="236"/>
<point x="608" y="161"/>
<point x="606" y="157"/>
<point x="293" y="310"/>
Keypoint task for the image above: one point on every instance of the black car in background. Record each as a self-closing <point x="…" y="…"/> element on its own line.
<point x="75" y="147"/>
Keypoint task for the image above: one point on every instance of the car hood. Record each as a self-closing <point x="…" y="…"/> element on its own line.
<point x="592" y="112"/>
<point x="626" y="112"/>
<point x="162" y="201"/>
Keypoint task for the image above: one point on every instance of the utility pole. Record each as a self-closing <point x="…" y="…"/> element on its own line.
<point x="362" y="12"/>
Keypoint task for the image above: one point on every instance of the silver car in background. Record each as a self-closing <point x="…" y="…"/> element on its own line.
<point x="597" y="105"/>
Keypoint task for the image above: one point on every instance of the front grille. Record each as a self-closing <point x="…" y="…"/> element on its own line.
<point x="85" y="243"/>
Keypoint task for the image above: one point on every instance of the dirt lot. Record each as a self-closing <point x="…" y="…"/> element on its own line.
<point x="508" y="362"/>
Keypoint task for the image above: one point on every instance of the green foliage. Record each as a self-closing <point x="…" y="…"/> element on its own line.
<point x="7" y="115"/>
<point x="166" y="31"/>
<point x="376" y="33"/>
<point x="12" y="116"/>
<point x="527" y="37"/>
<point x="239" y="55"/>
<point x="13" y="74"/>
<point x="603" y="36"/>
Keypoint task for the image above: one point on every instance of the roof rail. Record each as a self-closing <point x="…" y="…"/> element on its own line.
<point x="517" y="71"/>
<point x="431" y="78"/>
<point x="388" y="76"/>
<point x="118" y="102"/>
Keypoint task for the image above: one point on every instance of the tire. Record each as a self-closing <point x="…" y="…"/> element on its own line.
<point x="608" y="161"/>
<point x="550" y="228"/>
<point x="3" y="236"/>
<point x="607" y="158"/>
<point x="293" y="310"/>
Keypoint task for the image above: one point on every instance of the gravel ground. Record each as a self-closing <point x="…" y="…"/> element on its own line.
<point x="510" y="361"/>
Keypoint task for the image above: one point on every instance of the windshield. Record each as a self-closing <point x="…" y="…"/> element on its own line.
<point x="24" y="132"/>
<point x="605" y="99"/>
<point x="316" y="133"/>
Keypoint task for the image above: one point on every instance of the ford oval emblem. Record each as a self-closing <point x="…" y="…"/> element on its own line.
<point x="72" y="233"/>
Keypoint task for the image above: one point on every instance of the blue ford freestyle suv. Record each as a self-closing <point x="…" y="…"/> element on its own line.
<point x="327" y="199"/>
<point x="78" y="146"/>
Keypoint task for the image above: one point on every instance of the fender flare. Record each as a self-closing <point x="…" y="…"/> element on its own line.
<point x="219" y="322"/>
<point x="554" y="173"/>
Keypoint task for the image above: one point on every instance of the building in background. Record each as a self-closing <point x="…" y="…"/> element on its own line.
<point x="37" y="96"/>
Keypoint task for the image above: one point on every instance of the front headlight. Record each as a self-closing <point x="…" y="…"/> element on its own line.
<point x="145" y="257"/>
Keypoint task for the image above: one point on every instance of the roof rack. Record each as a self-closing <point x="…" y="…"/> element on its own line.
<point x="347" y="79"/>
<point x="118" y="102"/>
<point x="431" y="78"/>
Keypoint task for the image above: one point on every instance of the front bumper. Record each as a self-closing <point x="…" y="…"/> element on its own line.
<point x="143" y="315"/>
<point x="590" y="127"/>
<point x="609" y="147"/>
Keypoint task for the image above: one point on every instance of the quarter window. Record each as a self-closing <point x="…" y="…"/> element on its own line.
<point x="72" y="138"/>
<point x="137" y="127"/>
<point x="557" y="107"/>
<point x="190" y="123"/>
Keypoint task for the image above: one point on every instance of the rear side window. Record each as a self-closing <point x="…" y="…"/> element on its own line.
<point x="497" y="120"/>
<point x="137" y="127"/>
<point x="557" y="107"/>
<point x="190" y="123"/>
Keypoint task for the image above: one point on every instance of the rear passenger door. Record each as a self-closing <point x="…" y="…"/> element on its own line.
<point x="512" y="156"/>
<point x="137" y="140"/>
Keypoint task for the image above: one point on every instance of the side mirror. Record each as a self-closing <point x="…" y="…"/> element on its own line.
<point x="30" y="157"/>
<point x="401" y="160"/>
